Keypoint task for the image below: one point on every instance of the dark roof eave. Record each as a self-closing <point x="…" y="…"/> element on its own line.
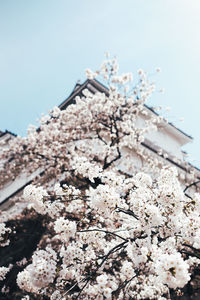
<point x="102" y="88"/>
<point x="2" y="133"/>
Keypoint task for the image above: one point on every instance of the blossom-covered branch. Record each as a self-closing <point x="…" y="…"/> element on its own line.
<point x="112" y="229"/>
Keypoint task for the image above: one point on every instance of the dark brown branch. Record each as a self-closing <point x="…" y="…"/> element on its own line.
<point x="190" y="253"/>
<point x="124" y="284"/>
<point x="101" y="139"/>
<point x="108" y="164"/>
<point x="190" y="185"/>
<point x="113" y="250"/>
<point x="105" y="231"/>
<point x="127" y="212"/>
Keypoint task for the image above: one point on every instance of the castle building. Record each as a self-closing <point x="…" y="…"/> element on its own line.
<point x="165" y="144"/>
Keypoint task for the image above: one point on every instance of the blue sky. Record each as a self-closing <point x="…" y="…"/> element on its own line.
<point x="45" y="47"/>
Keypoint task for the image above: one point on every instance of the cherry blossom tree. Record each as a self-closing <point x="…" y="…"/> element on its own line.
<point x="103" y="228"/>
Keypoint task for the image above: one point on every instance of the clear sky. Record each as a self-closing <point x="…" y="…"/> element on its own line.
<point x="45" y="47"/>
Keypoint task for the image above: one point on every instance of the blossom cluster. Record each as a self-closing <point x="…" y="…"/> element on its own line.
<point x="40" y="273"/>
<point x="3" y="272"/>
<point x="121" y="243"/>
<point x="4" y="232"/>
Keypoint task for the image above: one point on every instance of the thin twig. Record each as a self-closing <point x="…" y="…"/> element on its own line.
<point x="105" y="231"/>
<point x="127" y="212"/>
